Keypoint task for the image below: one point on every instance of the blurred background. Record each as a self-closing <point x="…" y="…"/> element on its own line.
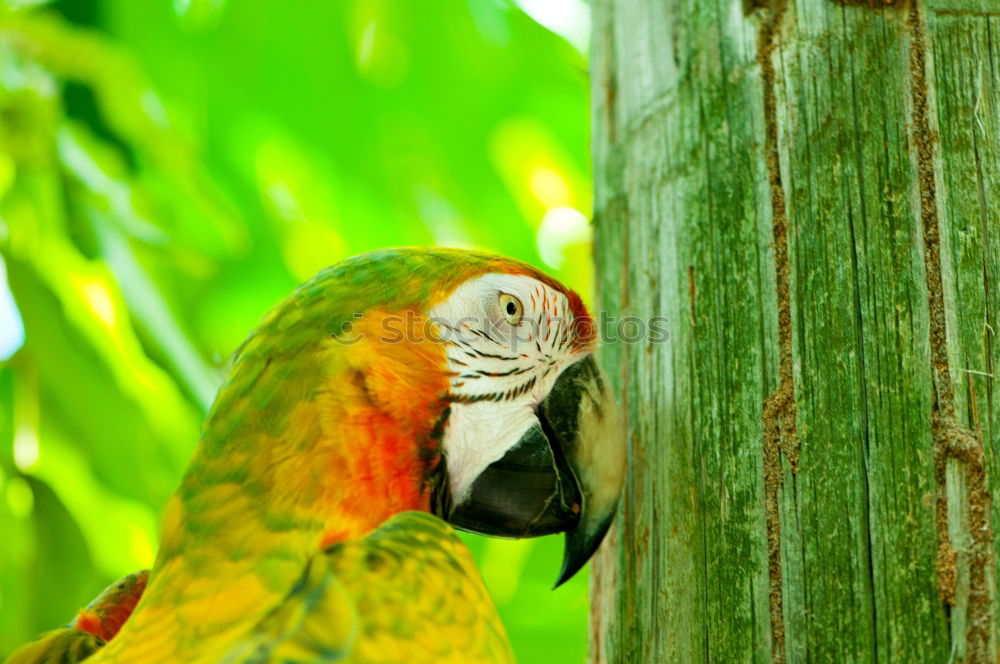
<point x="170" y="169"/>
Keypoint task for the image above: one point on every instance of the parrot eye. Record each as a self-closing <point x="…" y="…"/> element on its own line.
<point x="512" y="308"/>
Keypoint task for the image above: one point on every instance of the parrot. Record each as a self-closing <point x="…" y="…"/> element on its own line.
<point x="391" y="399"/>
<point x="93" y="626"/>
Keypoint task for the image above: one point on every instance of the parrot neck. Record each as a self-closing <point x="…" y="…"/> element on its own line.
<point x="305" y="447"/>
<point x="341" y="467"/>
<point x="320" y="443"/>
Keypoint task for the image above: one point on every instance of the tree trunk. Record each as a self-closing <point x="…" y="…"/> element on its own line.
<point x="809" y="191"/>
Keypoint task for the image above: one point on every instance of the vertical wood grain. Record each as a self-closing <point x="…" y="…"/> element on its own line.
<point x="806" y="190"/>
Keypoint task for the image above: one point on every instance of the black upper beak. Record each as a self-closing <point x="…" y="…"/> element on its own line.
<point x="564" y="475"/>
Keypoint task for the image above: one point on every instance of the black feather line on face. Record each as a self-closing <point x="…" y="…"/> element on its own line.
<point x="561" y="335"/>
<point x="499" y="374"/>
<point x="473" y="352"/>
<point x="492" y="356"/>
<point x="465" y="351"/>
<point x="450" y="328"/>
<point x="492" y="396"/>
<point x="484" y="335"/>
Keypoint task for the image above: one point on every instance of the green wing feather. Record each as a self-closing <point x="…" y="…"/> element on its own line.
<point x="66" y="645"/>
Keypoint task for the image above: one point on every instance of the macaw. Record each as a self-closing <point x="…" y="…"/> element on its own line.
<point x="395" y="395"/>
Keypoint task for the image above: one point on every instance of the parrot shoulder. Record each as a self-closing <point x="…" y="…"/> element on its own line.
<point x="409" y="592"/>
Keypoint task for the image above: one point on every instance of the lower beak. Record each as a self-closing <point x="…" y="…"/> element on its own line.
<point x="564" y="475"/>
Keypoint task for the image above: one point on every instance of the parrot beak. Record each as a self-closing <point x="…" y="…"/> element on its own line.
<point x="564" y="474"/>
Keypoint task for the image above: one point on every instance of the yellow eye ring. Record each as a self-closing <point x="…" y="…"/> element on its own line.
<point x="511" y="308"/>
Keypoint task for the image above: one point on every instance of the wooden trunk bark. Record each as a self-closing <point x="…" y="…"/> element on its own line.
<point x="809" y="191"/>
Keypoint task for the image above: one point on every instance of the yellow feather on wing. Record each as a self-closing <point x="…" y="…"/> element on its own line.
<point x="408" y="592"/>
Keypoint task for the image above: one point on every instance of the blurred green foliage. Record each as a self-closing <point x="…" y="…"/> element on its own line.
<point x="170" y="169"/>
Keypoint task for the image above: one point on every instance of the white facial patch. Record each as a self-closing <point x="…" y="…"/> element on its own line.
<point x="500" y="370"/>
<point x="479" y="434"/>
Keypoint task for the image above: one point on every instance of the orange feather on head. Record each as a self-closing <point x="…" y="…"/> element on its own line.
<point x="389" y="394"/>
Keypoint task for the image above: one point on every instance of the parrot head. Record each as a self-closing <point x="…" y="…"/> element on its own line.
<point x="440" y="380"/>
<point x="532" y="441"/>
